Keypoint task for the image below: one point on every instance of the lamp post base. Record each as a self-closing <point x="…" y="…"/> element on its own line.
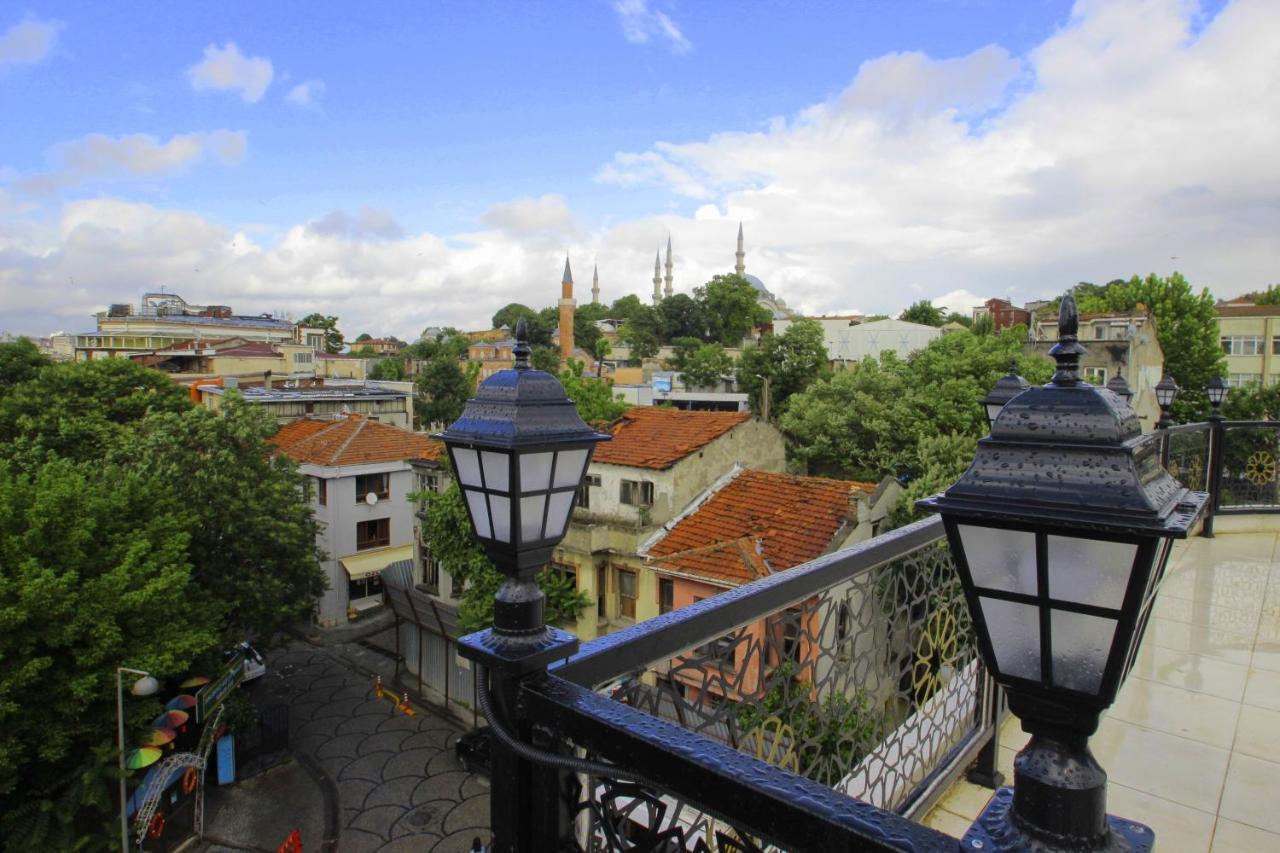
<point x="995" y="831"/>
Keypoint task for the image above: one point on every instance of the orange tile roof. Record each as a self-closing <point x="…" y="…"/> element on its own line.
<point x="1248" y="310"/>
<point x="791" y="518"/>
<point x="353" y="440"/>
<point x="649" y="437"/>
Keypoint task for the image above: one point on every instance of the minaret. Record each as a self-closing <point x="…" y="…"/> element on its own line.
<point x="595" y="285"/>
<point x="741" y="266"/>
<point x="657" y="277"/>
<point x="566" y="313"/>
<point x="668" y="277"/>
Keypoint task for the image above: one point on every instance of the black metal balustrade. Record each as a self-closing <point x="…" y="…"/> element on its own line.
<point x="1187" y="453"/>
<point x="1246" y="469"/>
<point x="778" y="714"/>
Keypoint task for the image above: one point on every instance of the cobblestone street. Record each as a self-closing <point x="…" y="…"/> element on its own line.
<point x="388" y="781"/>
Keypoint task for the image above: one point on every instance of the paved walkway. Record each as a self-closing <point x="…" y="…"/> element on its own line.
<point x="391" y="780"/>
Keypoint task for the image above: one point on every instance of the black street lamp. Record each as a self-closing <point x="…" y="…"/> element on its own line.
<point x="520" y="451"/>
<point x="1119" y="386"/>
<point x="1006" y="388"/>
<point x="1061" y="530"/>
<point x="1166" y="393"/>
<point x="1216" y="390"/>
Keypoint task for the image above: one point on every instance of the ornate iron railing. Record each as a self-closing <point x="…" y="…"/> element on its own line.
<point x="786" y="714"/>
<point x="1188" y="453"/>
<point x="1248" y="481"/>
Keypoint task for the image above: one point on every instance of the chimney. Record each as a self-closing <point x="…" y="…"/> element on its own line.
<point x="566" y="313"/>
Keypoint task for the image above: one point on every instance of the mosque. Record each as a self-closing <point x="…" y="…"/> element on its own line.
<point x="664" y="279"/>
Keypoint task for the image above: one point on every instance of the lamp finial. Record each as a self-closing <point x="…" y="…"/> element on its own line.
<point x="1067" y="350"/>
<point x="522" y="350"/>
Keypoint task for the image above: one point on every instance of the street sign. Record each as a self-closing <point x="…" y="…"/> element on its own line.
<point x="211" y="695"/>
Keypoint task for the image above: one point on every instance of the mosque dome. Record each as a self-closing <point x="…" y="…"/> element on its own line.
<point x="757" y="284"/>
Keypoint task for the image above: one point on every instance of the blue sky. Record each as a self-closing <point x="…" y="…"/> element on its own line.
<point x="402" y="164"/>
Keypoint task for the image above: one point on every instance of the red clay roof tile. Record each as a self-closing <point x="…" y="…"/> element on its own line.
<point x="353" y="440"/>
<point x="790" y="518"/>
<point x="649" y="437"/>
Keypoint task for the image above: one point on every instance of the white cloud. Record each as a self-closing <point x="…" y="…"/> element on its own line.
<point x="137" y="155"/>
<point x="225" y="69"/>
<point x="369" y="223"/>
<point x="1129" y="136"/>
<point x="28" y="42"/>
<point x="528" y="216"/>
<point x="640" y="24"/>
<point x="307" y="94"/>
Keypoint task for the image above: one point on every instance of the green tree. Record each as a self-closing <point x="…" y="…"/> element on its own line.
<point x="78" y="409"/>
<point x="1270" y="296"/>
<point x="984" y="326"/>
<point x="391" y="369"/>
<point x="940" y="460"/>
<point x="447" y="530"/>
<point x="706" y="366"/>
<point x="626" y="308"/>
<point x="363" y="336"/>
<point x="333" y="339"/>
<point x="924" y="312"/>
<point x="20" y="361"/>
<point x="594" y="398"/>
<point x="682" y="316"/>
<point x="546" y="358"/>
<point x="511" y="313"/>
<point x="731" y="307"/>
<point x="442" y="391"/>
<point x="791" y="362"/>
<point x="642" y="342"/>
<point x="956" y="317"/>
<point x="601" y="350"/>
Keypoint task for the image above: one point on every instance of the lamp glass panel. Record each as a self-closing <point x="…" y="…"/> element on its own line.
<point x="535" y="471"/>
<point x="569" y="468"/>
<point x="1090" y="571"/>
<point x="1000" y="559"/>
<point x="993" y="411"/>
<point x="1014" y="630"/>
<point x="497" y="476"/>
<point x="501" y="508"/>
<point x="558" y="514"/>
<point x="468" y="465"/>
<point x="1081" y="644"/>
<point x="531" y="517"/>
<point x="479" y="513"/>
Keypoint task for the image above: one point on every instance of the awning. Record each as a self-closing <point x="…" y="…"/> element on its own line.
<point x="369" y="563"/>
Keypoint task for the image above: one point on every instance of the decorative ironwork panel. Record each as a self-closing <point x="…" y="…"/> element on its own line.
<point x="1250" y="456"/>
<point x="866" y="687"/>
<point x="1189" y="455"/>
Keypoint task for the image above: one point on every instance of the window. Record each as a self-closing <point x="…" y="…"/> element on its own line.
<point x="1275" y="346"/>
<point x="568" y="571"/>
<point x="1242" y="345"/>
<point x="378" y="484"/>
<point x="1236" y="380"/>
<point x="322" y="491"/>
<point x="626" y="593"/>
<point x="1100" y="332"/>
<point x="1095" y="375"/>
<point x="427" y="482"/>
<point x="375" y="533"/>
<point x="637" y="493"/>
<point x="364" y="588"/>
<point x="584" y="491"/>
<point x="719" y="650"/>
<point x="430" y="572"/>
<point x="302" y="358"/>
<point x="601" y="584"/>
<point x="666" y="595"/>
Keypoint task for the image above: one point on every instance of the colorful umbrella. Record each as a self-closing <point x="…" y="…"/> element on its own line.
<point x="182" y="702"/>
<point x="159" y="737"/>
<point x="195" y="681"/>
<point x="170" y="720"/>
<point x="142" y="757"/>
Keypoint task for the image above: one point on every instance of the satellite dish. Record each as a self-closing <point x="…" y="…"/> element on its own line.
<point x="371" y="498"/>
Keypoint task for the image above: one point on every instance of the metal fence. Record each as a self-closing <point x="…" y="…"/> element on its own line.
<point x="1187" y="456"/>
<point x="786" y="710"/>
<point x="1248" y="480"/>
